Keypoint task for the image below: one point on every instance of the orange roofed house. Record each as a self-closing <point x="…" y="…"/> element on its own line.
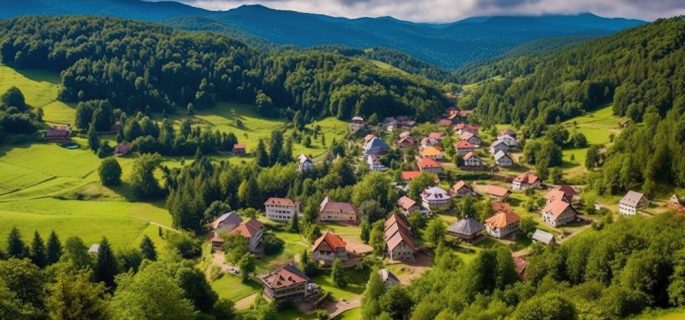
<point x="407" y="205"/>
<point x="328" y="248"/>
<point x="496" y="192"/>
<point x="337" y="211"/>
<point x="502" y="224"/>
<point x="252" y="230"/>
<point x="525" y="181"/>
<point x="558" y="213"/>
<point x="239" y="149"/>
<point x="287" y="283"/>
<point x="429" y="165"/>
<point x="432" y="152"/>
<point x="281" y="209"/>
<point x="398" y="239"/>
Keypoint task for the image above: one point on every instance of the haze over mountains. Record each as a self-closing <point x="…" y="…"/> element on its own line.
<point x="449" y="45"/>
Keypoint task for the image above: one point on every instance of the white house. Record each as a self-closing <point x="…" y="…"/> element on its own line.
<point x="471" y="161"/>
<point x="502" y="224"/>
<point x="281" y="209"/>
<point x="356" y="124"/>
<point x="502" y="159"/>
<point x="509" y="140"/>
<point x="632" y="203"/>
<point x="375" y="163"/>
<point x="498" y="145"/>
<point x="435" y="198"/>
<point x="558" y="213"/>
<point x="525" y="181"/>
<point x="305" y="164"/>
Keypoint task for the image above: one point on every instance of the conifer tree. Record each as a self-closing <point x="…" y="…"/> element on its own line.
<point x="147" y="249"/>
<point x="93" y="140"/>
<point x="37" y="254"/>
<point x="54" y="249"/>
<point x="105" y="264"/>
<point x="261" y="154"/>
<point x="15" y="245"/>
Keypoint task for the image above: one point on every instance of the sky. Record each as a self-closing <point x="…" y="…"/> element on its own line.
<point x="451" y="10"/>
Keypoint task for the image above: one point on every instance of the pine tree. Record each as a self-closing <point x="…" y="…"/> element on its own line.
<point x="93" y="140"/>
<point x="147" y="249"/>
<point x="294" y="224"/>
<point x="106" y="264"/>
<point x="338" y="274"/>
<point x="275" y="146"/>
<point x="15" y="246"/>
<point x="261" y="154"/>
<point x="37" y="254"/>
<point x="54" y="249"/>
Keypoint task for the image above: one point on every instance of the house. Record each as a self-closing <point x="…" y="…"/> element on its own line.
<point x="94" y="249"/>
<point x="508" y="140"/>
<point x="428" y="165"/>
<point x="508" y="132"/>
<point x="252" y="230"/>
<point x="305" y="164"/>
<point x="674" y="200"/>
<point x="558" y="213"/>
<point x="356" y="124"/>
<point x="406" y="142"/>
<point x="520" y="265"/>
<point x="432" y="152"/>
<point x="375" y="146"/>
<point x="388" y="278"/>
<point x="497" y="146"/>
<point x="397" y="236"/>
<point x="632" y="202"/>
<point x="436" y="198"/>
<point x="526" y="180"/>
<point x="285" y="283"/>
<point x="471" y="138"/>
<point x="329" y="247"/>
<point x="569" y="192"/>
<point x="429" y="142"/>
<point x="435" y="135"/>
<point x="464" y="147"/>
<point x="465" y="127"/>
<point x="444" y="122"/>
<point x="337" y="211"/>
<point x="408" y="176"/>
<point x="543" y="237"/>
<point x="407" y="205"/>
<point x="459" y="116"/>
<point x="375" y="163"/>
<point x="226" y="222"/>
<point x="461" y="189"/>
<point x="503" y="160"/>
<point x="122" y="149"/>
<point x="472" y="162"/>
<point x="239" y="149"/>
<point x="281" y="209"/>
<point x="556" y="194"/>
<point x="467" y="229"/>
<point x="496" y="192"/>
<point x="502" y="224"/>
<point x="59" y="134"/>
<point x="499" y="206"/>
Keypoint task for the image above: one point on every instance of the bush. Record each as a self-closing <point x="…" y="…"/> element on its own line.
<point x="185" y="245"/>
<point x="110" y="172"/>
<point x="272" y="245"/>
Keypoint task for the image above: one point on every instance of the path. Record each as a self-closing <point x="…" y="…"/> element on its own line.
<point x="341" y="306"/>
<point x="246" y="302"/>
<point x="163" y="226"/>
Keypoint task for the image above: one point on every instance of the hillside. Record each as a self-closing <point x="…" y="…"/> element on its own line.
<point x="448" y="45"/>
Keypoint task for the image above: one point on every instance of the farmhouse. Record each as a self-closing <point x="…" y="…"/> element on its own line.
<point x="59" y="134"/>
<point x="285" y="283"/>
<point x="472" y="162"/>
<point x="556" y="194"/>
<point x="461" y="189"/>
<point x="632" y="202"/>
<point x="497" y="146"/>
<point x="502" y="224"/>
<point x="398" y="239"/>
<point x="252" y="230"/>
<point x="281" y="209"/>
<point x="496" y="192"/>
<point x="464" y="147"/>
<point x="406" y="142"/>
<point x="122" y="149"/>
<point x="432" y="152"/>
<point x="436" y="198"/>
<point x="543" y="237"/>
<point x="305" y="164"/>
<point x="375" y="163"/>
<point x="467" y="229"/>
<point x="375" y="146"/>
<point x="502" y="159"/>
<point x="429" y="142"/>
<point x="526" y="180"/>
<point x="239" y="149"/>
<point x="429" y="165"/>
<point x="558" y="213"/>
<point x="471" y="138"/>
<point x="356" y="124"/>
<point x="337" y="211"/>
<point x="407" y="205"/>
<point x="328" y="248"/>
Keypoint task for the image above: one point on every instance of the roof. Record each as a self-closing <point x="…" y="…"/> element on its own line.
<point x="632" y="198"/>
<point x="428" y="163"/>
<point x="502" y="219"/>
<point x="466" y="135"/>
<point x="468" y="227"/>
<point x="388" y="276"/>
<point x="460" y="185"/>
<point x="543" y="236"/>
<point x="499" y="206"/>
<point x="501" y="154"/>
<point x="527" y="177"/>
<point x="399" y="237"/>
<point x="303" y="158"/>
<point x="520" y="265"/>
<point x="357" y="118"/>
<point x="94" y="248"/>
<point x="332" y="206"/>
<point x="498" y="142"/>
<point x="405" y="203"/>
<point x="568" y="191"/>
<point x="427" y="141"/>
<point x="435" y="135"/>
<point x="435" y="193"/>
<point x="376" y="142"/>
<point x="122" y="148"/>
<point x="395" y="219"/>
<point x="239" y="146"/>
<point x="407" y="139"/>
<point x="496" y="191"/>
<point x="557" y="207"/>
<point x="284" y="277"/>
<point x="444" y="122"/>
<point x="405" y="134"/>
<point x="248" y="229"/>
<point x="280" y="202"/>
<point x="556" y="194"/>
<point x="334" y="241"/>
<point x="470" y="155"/>
<point x="431" y="151"/>
<point x="409" y="175"/>
<point x="466" y="126"/>
<point x="230" y="218"/>
<point x="509" y="132"/>
<point x="464" y="144"/>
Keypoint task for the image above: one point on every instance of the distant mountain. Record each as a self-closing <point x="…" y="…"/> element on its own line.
<point x="447" y="45"/>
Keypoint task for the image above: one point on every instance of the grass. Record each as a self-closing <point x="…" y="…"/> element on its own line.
<point x="662" y="314"/>
<point x="353" y="314"/>
<point x="384" y="66"/>
<point x="232" y="288"/>
<point x="39" y="87"/>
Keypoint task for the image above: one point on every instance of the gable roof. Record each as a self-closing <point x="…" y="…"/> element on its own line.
<point x="464" y="144"/>
<point x="460" y="185"/>
<point x="284" y="277"/>
<point x="498" y="142"/>
<point x="281" y="202"/>
<point x="501" y="154"/>
<point x="470" y="155"/>
<point x="435" y="135"/>
<point x="502" y="219"/>
<point x="466" y="135"/>
<point x="332" y="206"/>
<point x="399" y="237"/>
<point x="334" y="241"/>
<point x="405" y="203"/>
<point x="303" y="158"/>
<point x="496" y="191"/>
<point x="568" y="191"/>
<point x="376" y="142"/>
<point x="556" y="194"/>
<point x="632" y="198"/>
<point x="527" y="177"/>
<point x="543" y="236"/>
<point x="230" y="218"/>
<point x="431" y="151"/>
<point x="557" y="207"/>
<point x="248" y="229"/>
<point x="468" y="226"/>
<point x="395" y="219"/>
<point x="409" y="175"/>
<point x="499" y="206"/>
<point x="428" y="163"/>
<point x="435" y="193"/>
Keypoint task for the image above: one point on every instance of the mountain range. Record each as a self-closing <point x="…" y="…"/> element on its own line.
<point x="447" y="45"/>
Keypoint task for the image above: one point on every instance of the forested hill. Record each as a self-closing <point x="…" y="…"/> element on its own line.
<point x="640" y="72"/>
<point x="141" y="66"/>
<point x="447" y="45"/>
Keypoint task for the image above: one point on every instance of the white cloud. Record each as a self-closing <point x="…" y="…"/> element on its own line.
<point x="451" y="10"/>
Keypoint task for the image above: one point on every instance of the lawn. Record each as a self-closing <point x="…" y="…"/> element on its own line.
<point x="663" y="314"/>
<point x="39" y="87"/>
<point x="232" y="288"/>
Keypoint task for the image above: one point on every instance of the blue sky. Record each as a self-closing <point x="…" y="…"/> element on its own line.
<point x="450" y="10"/>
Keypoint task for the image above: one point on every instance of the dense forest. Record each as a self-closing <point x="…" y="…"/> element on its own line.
<point x="143" y="67"/>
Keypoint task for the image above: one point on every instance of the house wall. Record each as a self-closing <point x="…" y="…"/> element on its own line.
<point x="402" y="252"/>
<point x="281" y="213"/>
<point x="337" y="216"/>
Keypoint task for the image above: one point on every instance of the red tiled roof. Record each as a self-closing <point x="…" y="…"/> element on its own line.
<point x="459" y="185"/>
<point x="394" y="218"/>
<point x="334" y="241"/>
<point x="239" y="146"/>
<point x="499" y="206"/>
<point x="280" y="202"/>
<point x="555" y="194"/>
<point x="248" y="229"/>
<point x="331" y="206"/>
<point x="502" y="219"/>
<point x="464" y="144"/>
<point x="435" y="135"/>
<point x="556" y="207"/>
<point x="520" y="265"/>
<point x="527" y="177"/>
<point x="409" y="175"/>
<point x="469" y="155"/>
<point x="568" y="191"/>
<point x="497" y="191"/>
<point x="284" y="277"/>
<point x="405" y="203"/>
<point x="428" y="163"/>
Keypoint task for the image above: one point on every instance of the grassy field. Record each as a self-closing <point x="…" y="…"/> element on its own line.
<point x="668" y="314"/>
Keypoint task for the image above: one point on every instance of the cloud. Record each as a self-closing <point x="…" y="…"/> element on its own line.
<point x="451" y="10"/>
